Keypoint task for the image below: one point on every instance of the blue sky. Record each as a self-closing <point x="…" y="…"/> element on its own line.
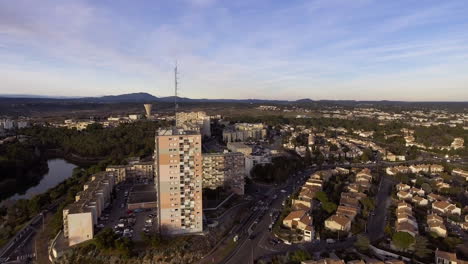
<point x="411" y="50"/>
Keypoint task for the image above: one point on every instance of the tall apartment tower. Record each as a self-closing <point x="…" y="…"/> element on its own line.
<point x="178" y="181"/>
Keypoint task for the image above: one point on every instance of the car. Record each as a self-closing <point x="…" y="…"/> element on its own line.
<point x="252" y="236"/>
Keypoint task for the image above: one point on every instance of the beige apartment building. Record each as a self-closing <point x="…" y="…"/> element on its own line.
<point x="239" y="147"/>
<point x="178" y="181"/>
<point x="194" y="121"/>
<point x="80" y="217"/>
<point x="224" y="170"/>
<point x="244" y="131"/>
<point x="141" y="170"/>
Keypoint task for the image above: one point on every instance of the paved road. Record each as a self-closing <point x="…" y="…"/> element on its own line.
<point x="376" y="222"/>
<point x="22" y="244"/>
<point x="258" y="247"/>
<point x="252" y="248"/>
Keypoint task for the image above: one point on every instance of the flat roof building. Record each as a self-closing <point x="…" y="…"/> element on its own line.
<point x="80" y="217"/>
<point x="224" y="170"/>
<point x="178" y="181"/>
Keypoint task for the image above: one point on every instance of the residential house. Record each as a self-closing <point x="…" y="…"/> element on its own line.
<point x="402" y="195"/>
<point x="338" y="223"/>
<point x="418" y="200"/>
<point x="300" y="220"/>
<point x="444" y="257"/>
<point x="403" y="187"/>
<point x="444" y="207"/>
<point x="435" y="224"/>
<point x="460" y="172"/>
<point x="417" y="191"/>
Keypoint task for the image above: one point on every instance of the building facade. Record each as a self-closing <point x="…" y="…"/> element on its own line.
<point x="80" y="217"/>
<point x="178" y="181"/>
<point x="244" y="131"/>
<point x="224" y="170"/>
<point x="194" y="121"/>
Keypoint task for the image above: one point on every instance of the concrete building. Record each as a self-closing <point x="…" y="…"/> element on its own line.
<point x="239" y="147"/>
<point x="178" y="181"/>
<point x="194" y="121"/>
<point x="252" y="160"/>
<point x="138" y="170"/>
<point x="224" y="170"/>
<point x="80" y="217"/>
<point x="244" y="131"/>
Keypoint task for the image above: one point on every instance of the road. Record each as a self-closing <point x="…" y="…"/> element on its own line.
<point x="249" y="250"/>
<point x="21" y="246"/>
<point x="376" y="221"/>
<point x="257" y="245"/>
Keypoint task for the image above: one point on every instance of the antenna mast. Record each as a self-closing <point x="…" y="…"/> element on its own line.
<point x="176" y="82"/>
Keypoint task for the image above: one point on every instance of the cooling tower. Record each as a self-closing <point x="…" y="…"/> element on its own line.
<point x="148" y="109"/>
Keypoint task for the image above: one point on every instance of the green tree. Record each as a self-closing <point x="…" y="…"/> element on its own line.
<point x="362" y="242"/>
<point x="330" y="207"/>
<point x="420" y="247"/>
<point x="452" y="242"/>
<point x="321" y="196"/>
<point x="124" y="246"/>
<point x="402" y="240"/>
<point x="368" y="204"/>
<point x="299" y="256"/>
<point x="106" y="239"/>
<point x="426" y="187"/>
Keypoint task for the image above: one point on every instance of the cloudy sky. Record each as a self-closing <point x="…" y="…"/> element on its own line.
<point x="274" y="49"/>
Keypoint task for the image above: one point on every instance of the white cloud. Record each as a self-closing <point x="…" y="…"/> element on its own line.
<point x="325" y="49"/>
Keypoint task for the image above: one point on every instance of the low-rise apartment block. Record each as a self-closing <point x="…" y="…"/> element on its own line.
<point x="137" y="170"/>
<point x="194" y="121"/>
<point x="80" y="217"/>
<point x="239" y="147"/>
<point x="224" y="170"/>
<point x="244" y="131"/>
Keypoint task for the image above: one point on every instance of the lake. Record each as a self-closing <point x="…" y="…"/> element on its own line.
<point x="59" y="170"/>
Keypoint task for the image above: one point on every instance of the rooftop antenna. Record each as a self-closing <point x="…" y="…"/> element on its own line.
<point x="176" y="82"/>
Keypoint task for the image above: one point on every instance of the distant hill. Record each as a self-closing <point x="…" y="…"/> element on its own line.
<point x="132" y="97"/>
<point x="148" y="98"/>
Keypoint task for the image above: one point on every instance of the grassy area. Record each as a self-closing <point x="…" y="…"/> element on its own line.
<point x="3" y="242"/>
<point x="227" y="249"/>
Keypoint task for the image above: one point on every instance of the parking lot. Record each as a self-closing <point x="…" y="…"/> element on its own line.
<point x="124" y="222"/>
